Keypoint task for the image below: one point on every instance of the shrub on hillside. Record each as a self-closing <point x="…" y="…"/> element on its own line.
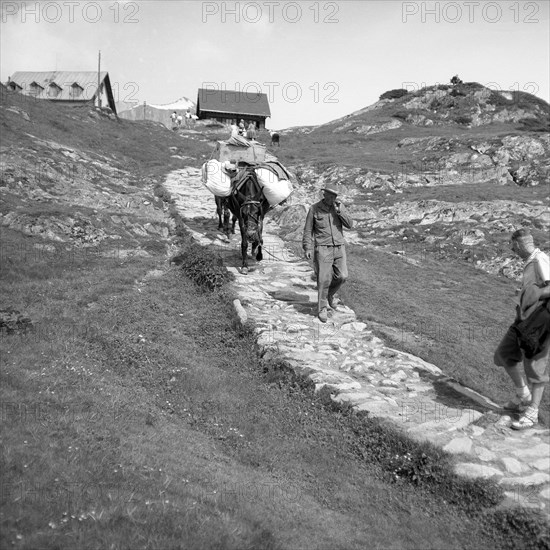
<point x="12" y="321"/>
<point x="455" y="92"/>
<point x="463" y="119"/>
<point x="161" y="193"/>
<point x="204" y="268"/>
<point x="401" y="115"/>
<point x="394" y="94"/>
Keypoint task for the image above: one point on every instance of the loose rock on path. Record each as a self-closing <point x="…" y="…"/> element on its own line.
<point x="279" y="297"/>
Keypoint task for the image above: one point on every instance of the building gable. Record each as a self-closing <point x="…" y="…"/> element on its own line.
<point x="34" y="88"/>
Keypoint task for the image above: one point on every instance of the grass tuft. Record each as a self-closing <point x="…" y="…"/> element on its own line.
<point x="206" y="270"/>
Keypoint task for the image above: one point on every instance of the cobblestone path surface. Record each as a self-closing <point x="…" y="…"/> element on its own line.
<point x="278" y="296"/>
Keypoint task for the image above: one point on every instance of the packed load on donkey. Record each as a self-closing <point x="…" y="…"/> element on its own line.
<point x="246" y="181"/>
<point x="273" y="178"/>
<point x="238" y="148"/>
<point x="236" y="154"/>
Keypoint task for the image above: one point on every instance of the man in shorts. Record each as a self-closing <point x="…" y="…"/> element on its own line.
<point x="535" y="290"/>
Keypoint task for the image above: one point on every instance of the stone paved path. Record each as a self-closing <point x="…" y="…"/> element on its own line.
<point x="279" y="297"/>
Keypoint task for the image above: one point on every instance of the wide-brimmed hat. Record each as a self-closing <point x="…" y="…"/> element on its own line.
<point x="331" y="188"/>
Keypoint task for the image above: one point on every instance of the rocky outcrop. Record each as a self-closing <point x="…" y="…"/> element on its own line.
<point x="467" y="104"/>
<point x="521" y="159"/>
<point x="470" y="104"/>
<point x="493" y="215"/>
<point x="368" y="129"/>
<point x="468" y="231"/>
<point x="77" y="197"/>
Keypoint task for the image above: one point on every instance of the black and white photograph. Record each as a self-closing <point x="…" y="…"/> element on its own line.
<point x="274" y="275"/>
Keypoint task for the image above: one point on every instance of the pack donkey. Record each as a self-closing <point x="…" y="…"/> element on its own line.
<point x="223" y="212"/>
<point x="248" y="203"/>
<point x="275" y="139"/>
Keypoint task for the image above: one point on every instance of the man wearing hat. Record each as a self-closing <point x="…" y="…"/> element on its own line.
<point x="323" y="235"/>
<point x="511" y="352"/>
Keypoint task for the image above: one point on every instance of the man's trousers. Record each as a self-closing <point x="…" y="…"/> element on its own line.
<point x="332" y="271"/>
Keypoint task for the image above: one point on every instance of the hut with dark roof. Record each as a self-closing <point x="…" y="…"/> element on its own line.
<point x="228" y="106"/>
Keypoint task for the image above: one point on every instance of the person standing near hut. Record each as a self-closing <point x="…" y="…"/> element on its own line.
<point x="234" y="129"/>
<point x="324" y="239"/>
<point x="251" y="131"/>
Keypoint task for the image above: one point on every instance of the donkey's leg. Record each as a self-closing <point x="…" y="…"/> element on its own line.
<point x="244" y="250"/>
<point x="259" y="255"/>
<point x="244" y="247"/>
<point x="219" y="212"/>
<point x="226" y="216"/>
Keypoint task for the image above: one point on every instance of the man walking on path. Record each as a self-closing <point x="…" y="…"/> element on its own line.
<point x="512" y="350"/>
<point x="324" y="236"/>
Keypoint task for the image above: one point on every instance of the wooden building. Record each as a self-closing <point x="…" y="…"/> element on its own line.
<point x="76" y="87"/>
<point x="228" y="106"/>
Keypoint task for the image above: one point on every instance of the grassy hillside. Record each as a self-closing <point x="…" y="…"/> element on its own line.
<point x="143" y="147"/>
<point x="139" y="417"/>
<point x="135" y="411"/>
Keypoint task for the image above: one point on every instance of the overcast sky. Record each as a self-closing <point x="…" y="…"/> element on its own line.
<point x="316" y="61"/>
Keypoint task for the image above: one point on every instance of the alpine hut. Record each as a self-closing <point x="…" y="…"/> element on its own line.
<point x="77" y="87"/>
<point x="228" y="106"/>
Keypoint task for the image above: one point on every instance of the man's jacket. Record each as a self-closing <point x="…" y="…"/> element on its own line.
<point x="324" y="226"/>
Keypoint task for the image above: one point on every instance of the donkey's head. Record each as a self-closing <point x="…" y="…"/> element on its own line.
<point x="251" y="215"/>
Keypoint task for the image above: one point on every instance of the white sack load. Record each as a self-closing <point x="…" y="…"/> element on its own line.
<point x="275" y="190"/>
<point x="215" y="178"/>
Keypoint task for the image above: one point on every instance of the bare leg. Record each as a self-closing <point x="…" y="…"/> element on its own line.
<point x="537" y="390"/>
<point x="517" y="375"/>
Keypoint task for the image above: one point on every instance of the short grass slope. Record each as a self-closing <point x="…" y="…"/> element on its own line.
<point x="135" y="410"/>
<point x="136" y="415"/>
